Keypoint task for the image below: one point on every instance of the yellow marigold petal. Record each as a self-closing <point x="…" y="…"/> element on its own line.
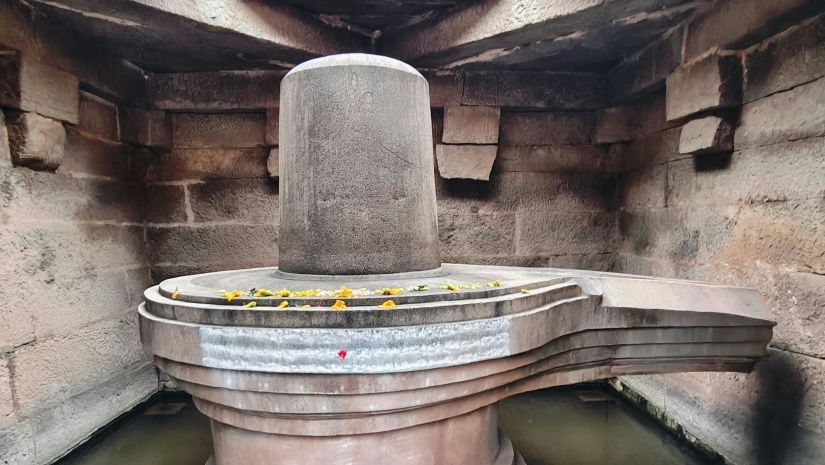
<point x="451" y="287"/>
<point x="344" y="292"/>
<point x="175" y="294"/>
<point x="283" y="304"/>
<point x="264" y="293"/>
<point x="387" y="304"/>
<point x="525" y="291"/>
<point x="284" y="293"/>
<point x="306" y="305"/>
<point x="339" y="305"/>
<point x="250" y="304"/>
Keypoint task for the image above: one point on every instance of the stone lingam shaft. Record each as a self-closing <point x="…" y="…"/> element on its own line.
<point x="362" y="348"/>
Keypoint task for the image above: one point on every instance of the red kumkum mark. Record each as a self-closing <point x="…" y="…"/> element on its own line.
<point x="342" y="354"/>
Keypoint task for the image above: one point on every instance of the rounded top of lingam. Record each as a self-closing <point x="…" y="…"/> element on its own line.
<point x="354" y="59"/>
<point x="357" y="186"/>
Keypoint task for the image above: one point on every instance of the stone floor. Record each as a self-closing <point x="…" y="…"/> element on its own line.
<point x="578" y="426"/>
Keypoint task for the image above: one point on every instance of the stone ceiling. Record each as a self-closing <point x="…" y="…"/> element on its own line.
<point x="208" y="35"/>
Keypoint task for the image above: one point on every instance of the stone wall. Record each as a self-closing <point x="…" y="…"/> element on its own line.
<point x="740" y="204"/>
<point x="72" y="235"/>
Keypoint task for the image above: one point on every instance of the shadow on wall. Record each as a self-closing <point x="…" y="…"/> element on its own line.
<point x="777" y="410"/>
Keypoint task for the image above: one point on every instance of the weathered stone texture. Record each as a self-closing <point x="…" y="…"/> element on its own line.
<point x="236" y="201"/>
<point x="557" y="159"/>
<point x="241" y="130"/>
<point x="29" y="84"/>
<point x="786" y="116"/>
<point x="6" y="399"/>
<point x="573" y="128"/>
<point x="5" y="152"/>
<point x="710" y="134"/>
<point x="273" y="163"/>
<point x="645" y="188"/>
<point x="560" y="233"/>
<point x="710" y="83"/>
<point x="196" y="164"/>
<point x="468" y="234"/>
<point x="534" y="89"/>
<point x="795" y="57"/>
<point x="216" y="245"/>
<point x="95" y="353"/>
<point x="223" y="90"/>
<point x="84" y="155"/>
<point x="271" y="136"/>
<point x="166" y="204"/>
<point x="35" y="142"/>
<point x="465" y="161"/>
<point x="646" y="70"/>
<point x="616" y="124"/>
<point x="652" y="149"/>
<point x="98" y="117"/>
<point x="446" y="87"/>
<point x="149" y="128"/>
<point x="471" y="125"/>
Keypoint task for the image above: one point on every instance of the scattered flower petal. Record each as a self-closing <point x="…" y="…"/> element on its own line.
<point x="339" y="305"/>
<point x="387" y="304"/>
<point x="284" y="293"/>
<point x="263" y="293"/>
<point x="175" y="294"/>
<point x="525" y="291"/>
<point x="342" y="354"/>
<point x="252" y="304"/>
<point x="283" y="304"/>
<point x="229" y="295"/>
<point x="344" y="292"/>
<point x="451" y="287"/>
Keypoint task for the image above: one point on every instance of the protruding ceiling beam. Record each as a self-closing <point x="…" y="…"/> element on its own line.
<point x="515" y="32"/>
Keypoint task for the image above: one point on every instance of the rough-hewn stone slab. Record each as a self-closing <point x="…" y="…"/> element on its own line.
<point x="740" y="23"/>
<point x="467" y="234"/>
<point x="651" y="149"/>
<point x="710" y="83"/>
<point x="710" y="134"/>
<point x="35" y="141"/>
<point x="446" y="87"/>
<point x="166" y="204"/>
<point x="787" y="60"/>
<point x="533" y="128"/>
<point x="98" y="117"/>
<point x="271" y="136"/>
<point x="94" y="157"/>
<point x="647" y="69"/>
<point x="222" y="90"/>
<point x="31" y="85"/>
<point x="209" y="244"/>
<point x="244" y="201"/>
<point x="644" y="189"/>
<point x="273" y="163"/>
<point x="557" y="233"/>
<point x="148" y="128"/>
<point x="534" y="89"/>
<point x="616" y="124"/>
<point x="471" y="125"/>
<point x="465" y="161"/>
<point x="794" y="114"/>
<point x="196" y="164"/>
<point x="234" y="130"/>
<point x="557" y="159"/>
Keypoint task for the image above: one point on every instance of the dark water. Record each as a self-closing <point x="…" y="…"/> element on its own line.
<point x="551" y="427"/>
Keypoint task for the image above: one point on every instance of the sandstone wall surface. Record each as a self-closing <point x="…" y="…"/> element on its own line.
<point x="751" y="216"/>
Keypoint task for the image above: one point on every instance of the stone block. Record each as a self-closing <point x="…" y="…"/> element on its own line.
<point x="197" y="164"/>
<point x="231" y="130"/>
<point x="35" y="141"/>
<point x="534" y="128"/>
<point x="138" y="279"/>
<point x="5" y="152"/>
<point x="139" y="160"/>
<point x="652" y="149"/>
<point x="775" y="173"/>
<point x="63" y="427"/>
<point x="534" y="89"/>
<point x="94" y="353"/>
<point x="239" y="201"/>
<point x="29" y="196"/>
<point x="644" y="189"/>
<point x="548" y="232"/>
<point x="215" y="245"/>
<point x="789" y="59"/>
<point x="34" y="86"/>
<point x="151" y="128"/>
<point x="711" y="83"/>
<point x="98" y="117"/>
<point x="166" y="204"/>
<point x="85" y="156"/>
<point x="465" y="161"/>
<point x="6" y="400"/>
<point x="210" y="91"/>
<point x="272" y="163"/>
<point x="17" y="438"/>
<point x="557" y="159"/>
<point x="784" y="116"/>
<point x="471" y="125"/>
<point x="482" y="235"/>
<point x="616" y="124"/>
<point x="446" y="87"/>
<point x="645" y="71"/>
<point x="710" y="134"/>
<point x="271" y="136"/>
<point x="738" y="24"/>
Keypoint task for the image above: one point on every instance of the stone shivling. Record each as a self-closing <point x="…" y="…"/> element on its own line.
<point x="417" y="384"/>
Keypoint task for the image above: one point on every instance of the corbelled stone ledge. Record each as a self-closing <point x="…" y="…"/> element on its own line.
<point x="365" y="383"/>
